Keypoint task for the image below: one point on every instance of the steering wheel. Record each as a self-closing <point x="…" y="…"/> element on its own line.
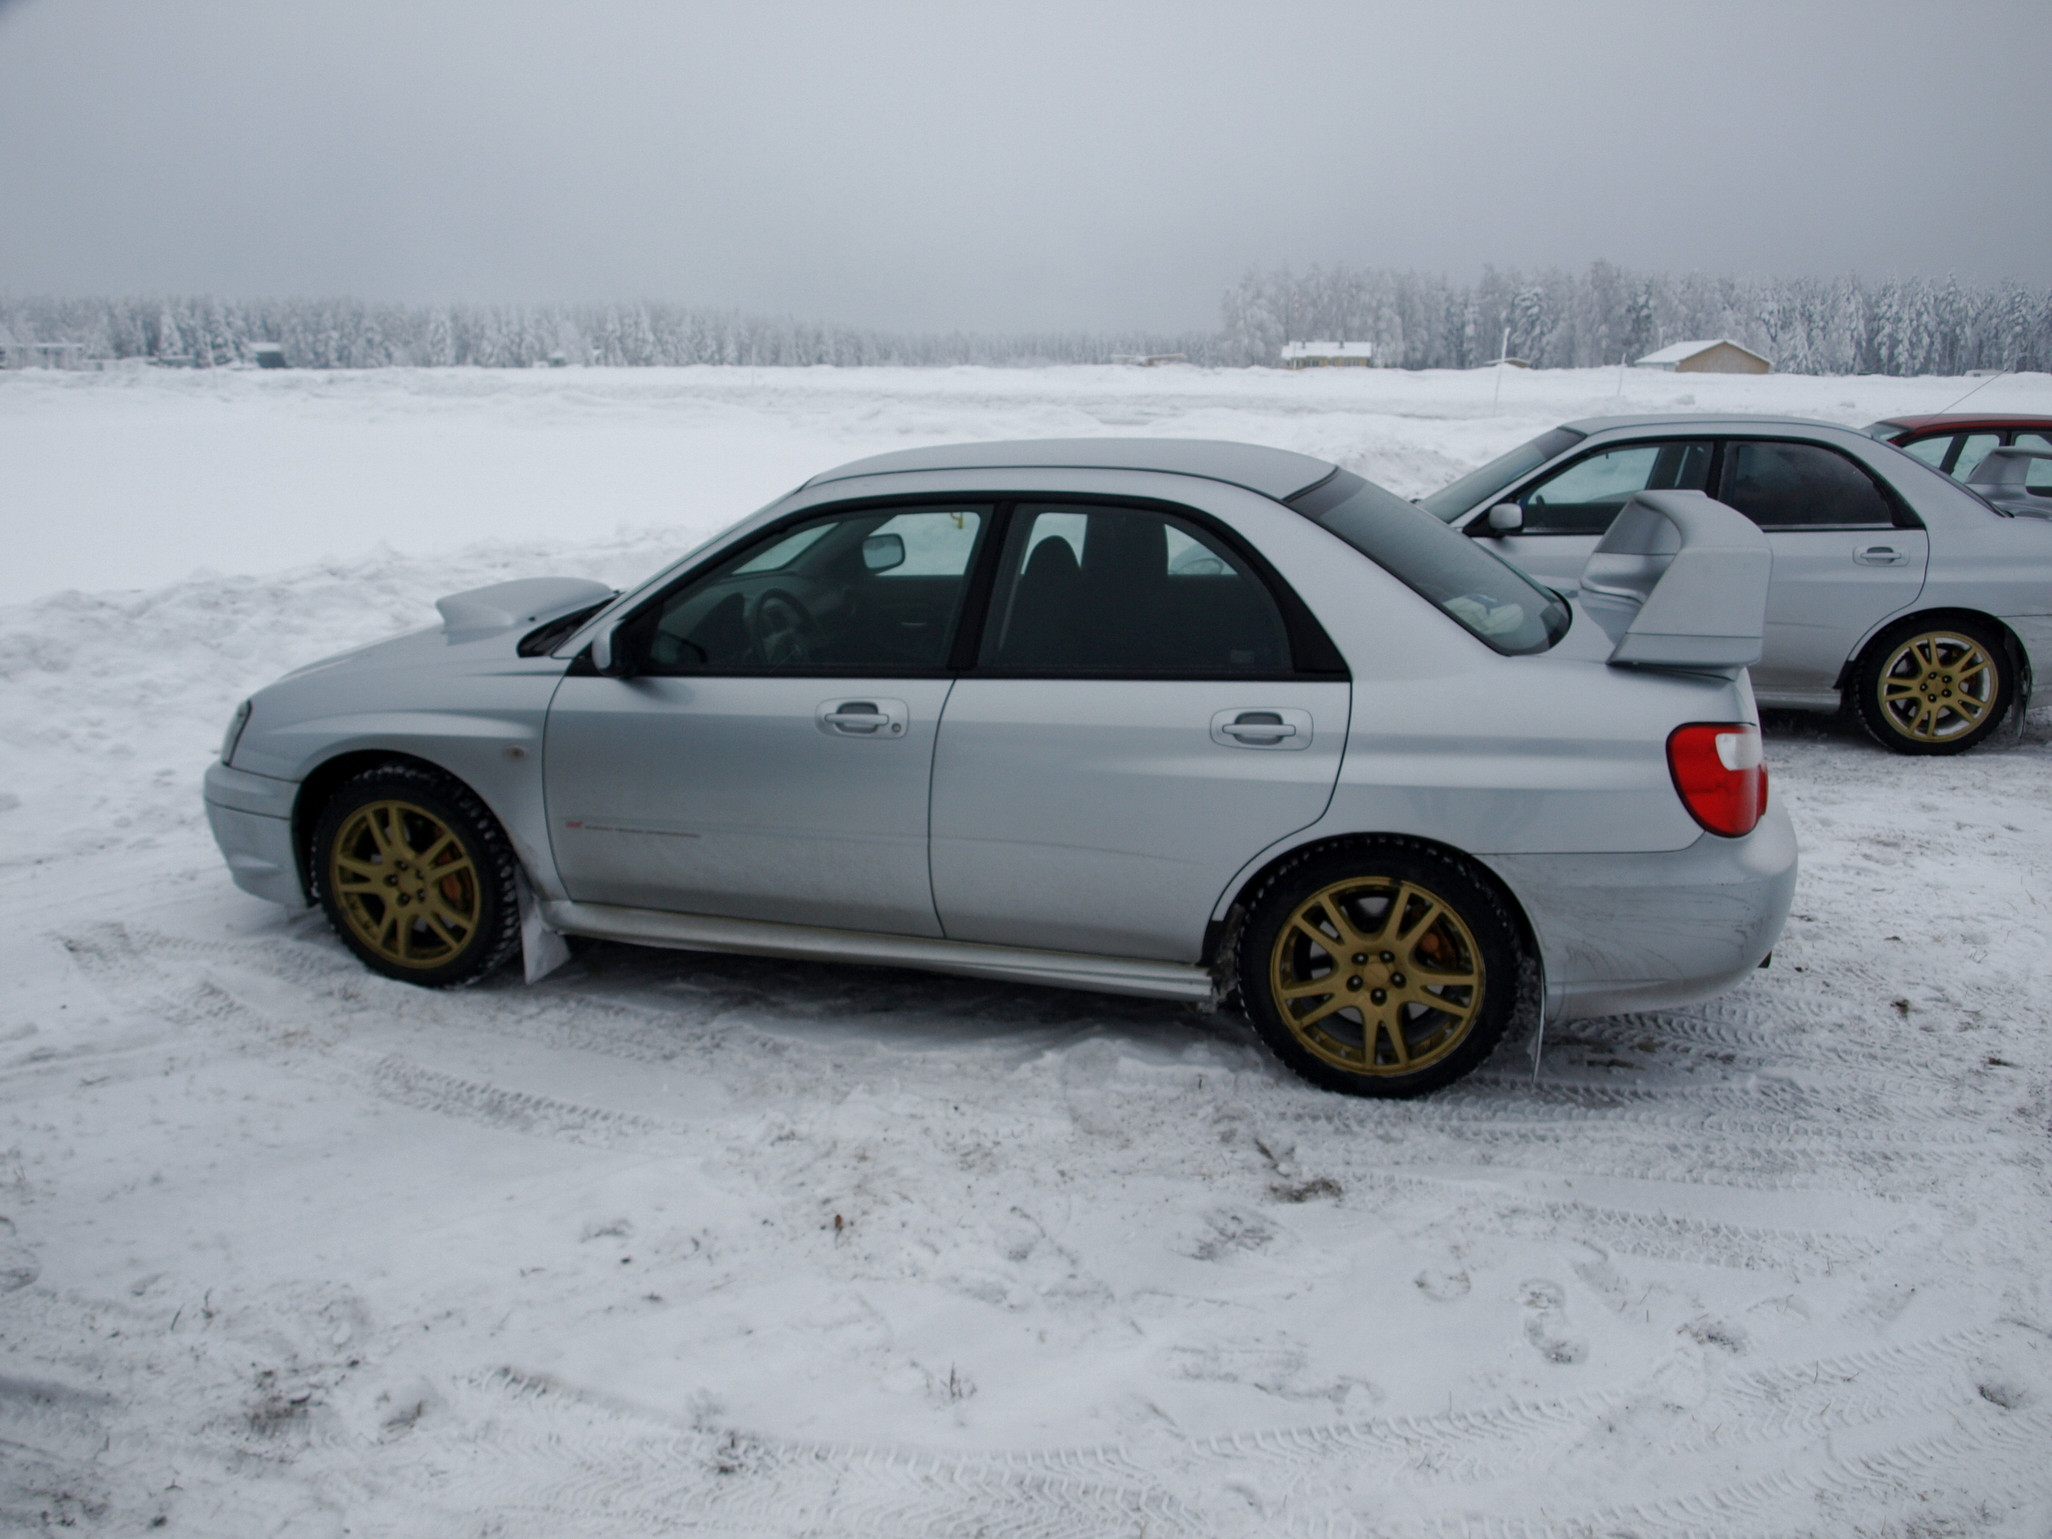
<point x="783" y="629"/>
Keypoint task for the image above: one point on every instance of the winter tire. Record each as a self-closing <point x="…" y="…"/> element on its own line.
<point x="1934" y="684"/>
<point x="417" y="877"/>
<point x="1381" y="969"/>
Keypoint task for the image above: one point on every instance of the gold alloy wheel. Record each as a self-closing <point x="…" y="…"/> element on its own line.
<point x="1938" y="686"/>
<point x="1377" y="976"/>
<point x="405" y="884"/>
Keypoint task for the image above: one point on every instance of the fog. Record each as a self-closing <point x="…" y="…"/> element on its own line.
<point x="1001" y="166"/>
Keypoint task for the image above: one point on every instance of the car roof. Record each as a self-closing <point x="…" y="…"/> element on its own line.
<point x="1703" y="419"/>
<point x="1276" y="473"/>
<point x="1965" y="419"/>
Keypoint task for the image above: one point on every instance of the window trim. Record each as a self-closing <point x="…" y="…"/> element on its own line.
<point x="1313" y="657"/>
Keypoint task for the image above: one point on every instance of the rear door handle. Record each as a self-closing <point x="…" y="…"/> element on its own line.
<point x="1261" y="727"/>
<point x="1879" y="555"/>
<point x="862" y="718"/>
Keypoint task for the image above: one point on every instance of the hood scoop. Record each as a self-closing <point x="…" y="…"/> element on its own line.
<point x="482" y="612"/>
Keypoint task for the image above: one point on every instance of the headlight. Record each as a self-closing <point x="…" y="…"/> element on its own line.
<point x="235" y="725"/>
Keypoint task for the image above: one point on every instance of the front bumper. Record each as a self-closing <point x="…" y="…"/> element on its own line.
<point x="1651" y="931"/>
<point x="251" y="816"/>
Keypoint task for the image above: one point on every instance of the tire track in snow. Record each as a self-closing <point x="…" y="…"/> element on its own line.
<point x="584" y="1459"/>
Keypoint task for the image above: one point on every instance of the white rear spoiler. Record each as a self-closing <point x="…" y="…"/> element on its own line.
<point x="1680" y="581"/>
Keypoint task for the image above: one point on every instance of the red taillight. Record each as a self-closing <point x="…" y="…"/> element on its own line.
<point x="1721" y="773"/>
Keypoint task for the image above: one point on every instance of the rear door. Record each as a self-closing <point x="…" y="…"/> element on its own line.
<point x="1135" y="730"/>
<point x="1842" y="560"/>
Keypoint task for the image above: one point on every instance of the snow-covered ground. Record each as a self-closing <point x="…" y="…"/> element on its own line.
<point x="736" y="1247"/>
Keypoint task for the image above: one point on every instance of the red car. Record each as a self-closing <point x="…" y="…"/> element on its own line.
<point x="1957" y="442"/>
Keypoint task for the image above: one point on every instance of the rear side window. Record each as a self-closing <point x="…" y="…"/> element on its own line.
<point x="2039" y="477"/>
<point x="1801" y="486"/>
<point x="1485" y="594"/>
<point x="1127" y="592"/>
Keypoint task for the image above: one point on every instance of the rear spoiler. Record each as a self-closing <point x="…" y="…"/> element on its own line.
<point x="1680" y="581"/>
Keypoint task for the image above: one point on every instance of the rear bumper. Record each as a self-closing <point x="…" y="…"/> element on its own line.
<point x="251" y="816"/>
<point x="1650" y="931"/>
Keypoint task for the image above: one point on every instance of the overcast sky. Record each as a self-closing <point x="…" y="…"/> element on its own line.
<point x="998" y="165"/>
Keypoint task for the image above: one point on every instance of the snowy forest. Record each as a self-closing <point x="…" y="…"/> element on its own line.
<point x="1551" y="319"/>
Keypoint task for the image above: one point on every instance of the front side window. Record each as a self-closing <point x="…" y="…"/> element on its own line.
<point x="1801" y="486"/>
<point x="1127" y="592"/>
<point x="1932" y="451"/>
<point x="1479" y="486"/>
<point x="876" y="592"/>
<point x="1586" y="496"/>
<point x="1973" y="448"/>
<point x="1487" y="595"/>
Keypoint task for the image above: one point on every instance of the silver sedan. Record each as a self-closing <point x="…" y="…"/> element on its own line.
<point x="1193" y="720"/>
<point x="1894" y="589"/>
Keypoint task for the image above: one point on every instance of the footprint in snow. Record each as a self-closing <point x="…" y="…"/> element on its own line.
<point x="1546" y="1323"/>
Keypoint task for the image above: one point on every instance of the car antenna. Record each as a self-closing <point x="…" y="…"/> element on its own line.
<point x="1983" y="385"/>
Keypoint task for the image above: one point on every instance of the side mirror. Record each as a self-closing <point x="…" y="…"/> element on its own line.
<point x="1506" y="518"/>
<point x="608" y="657"/>
<point x="881" y="552"/>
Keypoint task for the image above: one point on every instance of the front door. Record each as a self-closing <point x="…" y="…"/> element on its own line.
<point x="771" y="757"/>
<point x="1842" y="564"/>
<point x="1134" y="733"/>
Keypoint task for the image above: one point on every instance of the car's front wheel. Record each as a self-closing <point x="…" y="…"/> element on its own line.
<point x="1379" y="969"/>
<point x="1934" y="685"/>
<point x="417" y="877"/>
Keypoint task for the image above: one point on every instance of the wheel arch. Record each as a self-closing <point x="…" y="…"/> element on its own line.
<point x="1936" y="615"/>
<point x="327" y="777"/>
<point x="1220" y="933"/>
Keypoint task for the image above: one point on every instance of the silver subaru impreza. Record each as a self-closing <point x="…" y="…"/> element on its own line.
<point x="1896" y="591"/>
<point x="1195" y="720"/>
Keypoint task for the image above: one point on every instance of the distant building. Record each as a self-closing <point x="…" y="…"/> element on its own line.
<point x="1327" y="355"/>
<point x="1715" y="356"/>
<point x="40" y="355"/>
<point x="267" y="355"/>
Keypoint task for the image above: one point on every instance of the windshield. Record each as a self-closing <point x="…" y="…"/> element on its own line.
<point x="1486" y="594"/>
<point x="1480" y="486"/>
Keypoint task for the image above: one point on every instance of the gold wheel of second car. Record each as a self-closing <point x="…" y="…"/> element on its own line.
<point x="1937" y="686"/>
<point x="406" y="884"/>
<point x="1377" y="976"/>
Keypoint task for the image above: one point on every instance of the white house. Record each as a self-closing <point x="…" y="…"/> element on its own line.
<point x="1714" y="356"/>
<point x="1326" y="355"/>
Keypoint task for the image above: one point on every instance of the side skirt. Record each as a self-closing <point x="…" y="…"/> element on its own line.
<point x="751" y="937"/>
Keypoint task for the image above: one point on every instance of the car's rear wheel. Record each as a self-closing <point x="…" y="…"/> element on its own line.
<point x="1379" y="969"/>
<point x="417" y="877"/>
<point x="1934" y="685"/>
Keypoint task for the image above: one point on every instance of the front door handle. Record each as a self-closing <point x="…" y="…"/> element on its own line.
<point x="1260" y="727"/>
<point x="862" y="718"/>
<point x="1879" y="555"/>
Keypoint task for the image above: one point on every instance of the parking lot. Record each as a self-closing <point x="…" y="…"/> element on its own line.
<point x="732" y="1246"/>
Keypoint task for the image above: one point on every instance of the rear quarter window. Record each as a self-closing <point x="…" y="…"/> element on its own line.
<point x="1484" y="594"/>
